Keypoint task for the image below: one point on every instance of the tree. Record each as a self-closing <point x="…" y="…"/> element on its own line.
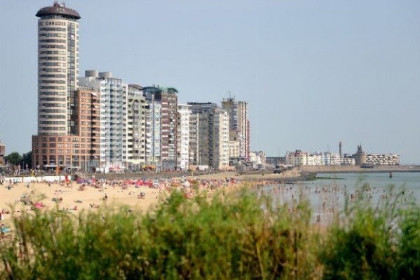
<point x="13" y="158"/>
<point x="27" y="159"/>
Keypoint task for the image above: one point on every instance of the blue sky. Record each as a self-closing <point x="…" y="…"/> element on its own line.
<point x="314" y="72"/>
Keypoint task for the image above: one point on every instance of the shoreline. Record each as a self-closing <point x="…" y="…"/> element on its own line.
<point x="358" y="169"/>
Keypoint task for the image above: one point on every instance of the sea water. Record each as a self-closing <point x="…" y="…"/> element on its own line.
<point x="327" y="194"/>
<point x="400" y="181"/>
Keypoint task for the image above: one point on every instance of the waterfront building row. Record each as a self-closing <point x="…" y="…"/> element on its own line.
<point x="98" y="121"/>
<point x="360" y="158"/>
<point x="118" y="126"/>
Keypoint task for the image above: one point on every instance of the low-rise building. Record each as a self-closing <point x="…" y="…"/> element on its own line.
<point x="275" y="161"/>
<point x="329" y="158"/>
<point x="257" y="159"/>
<point x="383" y="159"/>
<point x="348" y="160"/>
<point x="297" y="158"/>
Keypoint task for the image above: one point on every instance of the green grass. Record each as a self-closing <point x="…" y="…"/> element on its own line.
<point x="227" y="237"/>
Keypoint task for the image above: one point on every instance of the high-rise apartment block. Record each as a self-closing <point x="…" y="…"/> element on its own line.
<point x="183" y="137"/>
<point x="239" y="129"/>
<point x="134" y="150"/>
<point x="113" y="93"/>
<point x="161" y="149"/>
<point x="209" y="135"/>
<point x="59" y="142"/>
<point x="219" y="140"/>
<point x="58" y="64"/>
<point x="199" y="132"/>
<point x="87" y="120"/>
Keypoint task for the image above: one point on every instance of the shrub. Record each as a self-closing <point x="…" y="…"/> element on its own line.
<point x="238" y="237"/>
<point x="364" y="243"/>
<point x="408" y="265"/>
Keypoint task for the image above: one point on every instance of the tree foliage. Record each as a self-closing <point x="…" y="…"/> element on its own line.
<point x="13" y="158"/>
<point x="27" y="159"/>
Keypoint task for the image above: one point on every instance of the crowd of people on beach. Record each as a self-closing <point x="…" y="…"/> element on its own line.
<point x="139" y="188"/>
<point x="325" y="200"/>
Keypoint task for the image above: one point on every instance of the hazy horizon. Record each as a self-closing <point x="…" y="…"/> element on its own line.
<point x="313" y="72"/>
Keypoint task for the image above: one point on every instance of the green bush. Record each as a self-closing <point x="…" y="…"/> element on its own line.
<point x="374" y="242"/>
<point x="226" y="238"/>
<point x="408" y="266"/>
<point x="361" y="250"/>
<point x="238" y="236"/>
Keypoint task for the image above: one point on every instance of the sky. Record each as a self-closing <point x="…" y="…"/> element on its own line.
<point x="313" y="72"/>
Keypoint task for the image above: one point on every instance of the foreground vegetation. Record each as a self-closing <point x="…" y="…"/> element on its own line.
<point x="240" y="237"/>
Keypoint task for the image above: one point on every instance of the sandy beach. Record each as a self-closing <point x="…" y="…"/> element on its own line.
<point x="75" y="197"/>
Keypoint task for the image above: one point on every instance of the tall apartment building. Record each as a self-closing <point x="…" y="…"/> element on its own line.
<point x="153" y="143"/>
<point x="136" y="106"/>
<point x="209" y="135"/>
<point x="87" y="120"/>
<point x="112" y="112"/>
<point x="161" y="128"/>
<point x="183" y="137"/>
<point x="219" y="140"/>
<point x="65" y="132"/>
<point x="58" y="66"/>
<point x="239" y="129"/>
<point x="199" y="132"/>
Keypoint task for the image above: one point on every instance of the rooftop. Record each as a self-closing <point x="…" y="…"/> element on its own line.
<point x="58" y="9"/>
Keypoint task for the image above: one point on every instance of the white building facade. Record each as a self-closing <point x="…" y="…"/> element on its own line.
<point x="183" y="138"/>
<point x="239" y="129"/>
<point x="219" y="148"/>
<point x="134" y="150"/>
<point x="112" y="111"/>
<point x="58" y="68"/>
<point x="209" y="136"/>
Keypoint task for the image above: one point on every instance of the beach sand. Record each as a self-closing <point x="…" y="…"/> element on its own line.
<point x="71" y="198"/>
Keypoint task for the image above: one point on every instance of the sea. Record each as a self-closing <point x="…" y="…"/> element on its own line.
<point x="327" y="193"/>
<point x="400" y="181"/>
